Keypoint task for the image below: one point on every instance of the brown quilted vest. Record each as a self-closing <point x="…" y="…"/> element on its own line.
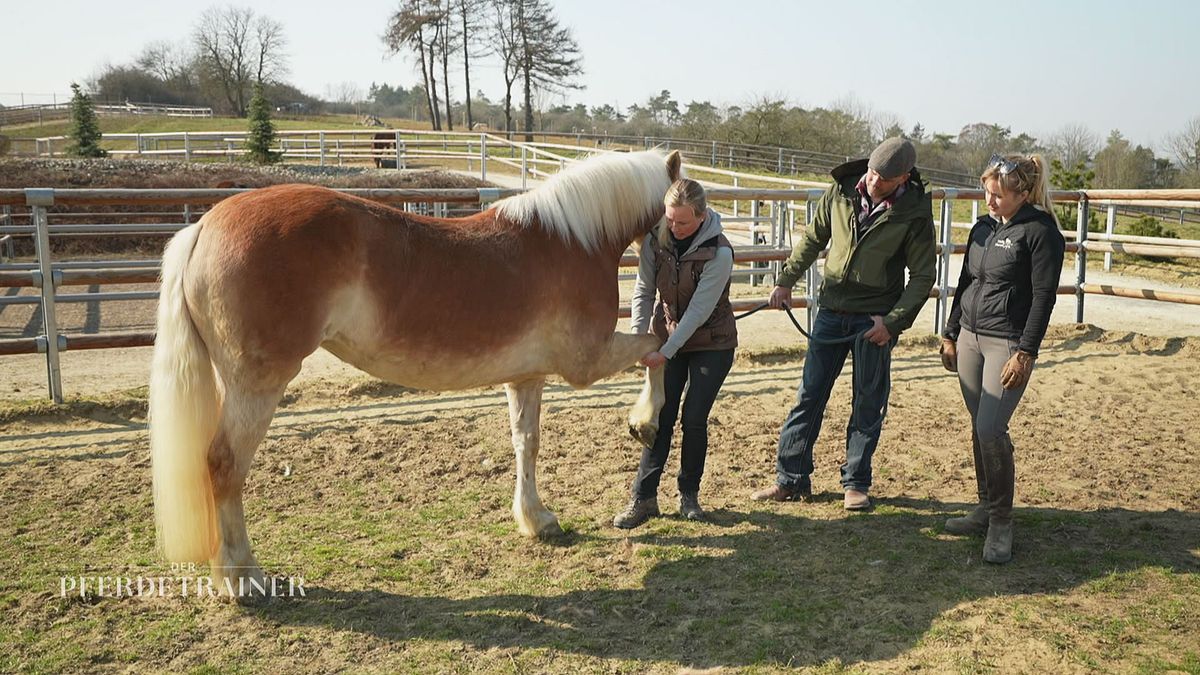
<point x="676" y="281"/>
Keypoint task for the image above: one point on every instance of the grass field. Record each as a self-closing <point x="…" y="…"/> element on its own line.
<point x="394" y="507"/>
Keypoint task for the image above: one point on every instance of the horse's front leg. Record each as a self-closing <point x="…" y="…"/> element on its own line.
<point x="524" y="412"/>
<point x="624" y="350"/>
<point x="643" y="417"/>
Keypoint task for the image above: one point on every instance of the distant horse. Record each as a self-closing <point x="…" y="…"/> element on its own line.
<point x="522" y="291"/>
<point x="383" y="149"/>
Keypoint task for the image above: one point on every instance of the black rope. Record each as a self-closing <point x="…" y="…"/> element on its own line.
<point x="823" y="341"/>
<point x="862" y="350"/>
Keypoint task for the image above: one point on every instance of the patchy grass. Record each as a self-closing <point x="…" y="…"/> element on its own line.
<point x="398" y="519"/>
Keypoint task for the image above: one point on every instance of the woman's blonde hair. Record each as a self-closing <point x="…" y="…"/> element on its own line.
<point x="684" y="192"/>
<point x="1017" y="174"/>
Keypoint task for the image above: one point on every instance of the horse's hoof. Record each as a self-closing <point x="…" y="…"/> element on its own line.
<point x="551" y="530"/>
<point x="643" y="433"/>
<point x="253" y="600"/>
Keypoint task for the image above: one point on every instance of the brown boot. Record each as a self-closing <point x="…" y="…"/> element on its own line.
<point x="1001" y="483"/>
<point x="997" y="549"/>
<point x="975" y="522"/>
<point x="778" y="493"/>
<point x="637" y="512"/>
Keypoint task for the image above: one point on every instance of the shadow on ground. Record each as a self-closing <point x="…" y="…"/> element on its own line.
<point x="790" y="590"/>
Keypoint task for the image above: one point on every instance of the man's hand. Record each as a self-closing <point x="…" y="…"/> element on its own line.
<point x="653" y="360"/>
<point x="949" y="353"/>
<point x="781" y="296"/>
<point x="878" y="334"/>
<point x="1016" y="370"/>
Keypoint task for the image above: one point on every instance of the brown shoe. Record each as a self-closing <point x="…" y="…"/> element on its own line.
<point x="778" y="493"/>
<point x="856" y="501"/>
<point x="637" y="512"/>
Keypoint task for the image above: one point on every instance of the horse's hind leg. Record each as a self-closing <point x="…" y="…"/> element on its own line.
<point x="524" y="412"/>
<point x="245" y="415"/>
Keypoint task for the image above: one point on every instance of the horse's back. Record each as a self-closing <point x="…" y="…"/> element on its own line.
<point x="426" y="302"/>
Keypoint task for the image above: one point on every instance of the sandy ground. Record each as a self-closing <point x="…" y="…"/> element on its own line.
<point x="395" y="504"/>
<point x="1105" y="439"/>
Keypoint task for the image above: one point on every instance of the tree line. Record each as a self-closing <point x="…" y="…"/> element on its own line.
<point x="231" y="50"/>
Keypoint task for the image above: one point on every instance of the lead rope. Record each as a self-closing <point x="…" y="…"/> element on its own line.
<point x="862" y="350"/>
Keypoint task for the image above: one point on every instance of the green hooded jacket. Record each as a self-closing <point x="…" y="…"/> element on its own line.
<point x="866" y="274"/>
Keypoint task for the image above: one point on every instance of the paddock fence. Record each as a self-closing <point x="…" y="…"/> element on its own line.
<point x="46" y="112"/>
<point x="773" y="219"/>
<point x="475" y="151"/>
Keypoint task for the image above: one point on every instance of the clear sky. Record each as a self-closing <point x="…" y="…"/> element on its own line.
<point x="1033" y="66"/>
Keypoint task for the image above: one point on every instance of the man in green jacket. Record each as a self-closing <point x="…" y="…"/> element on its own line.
<point x="877" y="218"/>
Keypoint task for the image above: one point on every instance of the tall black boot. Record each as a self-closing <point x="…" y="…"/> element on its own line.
<point x="975" y="522"/>
<point x="1000" y="481"/>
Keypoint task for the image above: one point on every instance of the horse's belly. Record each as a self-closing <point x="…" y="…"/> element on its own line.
<point x="443" y="371"/>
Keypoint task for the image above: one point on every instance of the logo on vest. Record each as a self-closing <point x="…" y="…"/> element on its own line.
<point x="1004" y="243"/>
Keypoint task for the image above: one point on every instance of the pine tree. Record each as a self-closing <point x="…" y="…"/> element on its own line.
<point x="262" y="131"/>
<point x="84" y="131"/>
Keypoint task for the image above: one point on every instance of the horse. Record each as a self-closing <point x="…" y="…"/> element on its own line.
<point x="383" y="147"/>
<point x="524" y="290"/>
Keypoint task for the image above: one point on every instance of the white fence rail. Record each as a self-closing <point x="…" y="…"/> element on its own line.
<point x="26" y="114"/>
<point x="771" y="226"/>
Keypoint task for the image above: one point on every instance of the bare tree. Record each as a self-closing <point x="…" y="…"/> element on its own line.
<point x="447" y="44"/>
<point x="507" y="38"/>
<point x="549" y="55"/>
<point x="167" y="61"/>
<point x="344" y="92"/>
<point x="415" y="27"/>
<point x="237" y="48"/>
<point x="881" y="123"/>
<point x="270" y="41"/>
<point x="1186" y="146"/>
<point x="470" y="17"/>
<point x="1074" y="144"/>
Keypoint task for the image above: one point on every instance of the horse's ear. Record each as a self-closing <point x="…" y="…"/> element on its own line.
<point x="674" y="162"/>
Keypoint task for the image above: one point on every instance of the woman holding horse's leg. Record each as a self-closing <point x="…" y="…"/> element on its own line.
<point x="1001" y="309"/>
<point x="686" y="263"/>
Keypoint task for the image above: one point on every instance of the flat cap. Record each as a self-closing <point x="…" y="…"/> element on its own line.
<point x="893" y="158"/>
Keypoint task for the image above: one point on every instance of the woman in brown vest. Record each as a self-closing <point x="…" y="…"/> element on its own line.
<point x="686" y="262"/>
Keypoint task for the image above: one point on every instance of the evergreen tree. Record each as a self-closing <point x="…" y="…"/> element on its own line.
<point x="1078" y="177"/>
<point x="262" y="131"/>
<point x="84" y="131"/>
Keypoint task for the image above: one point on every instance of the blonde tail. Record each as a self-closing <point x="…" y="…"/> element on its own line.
<point x="183" y="418"/>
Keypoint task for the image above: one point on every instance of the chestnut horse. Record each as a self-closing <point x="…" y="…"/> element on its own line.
<point x="522" y="291"/>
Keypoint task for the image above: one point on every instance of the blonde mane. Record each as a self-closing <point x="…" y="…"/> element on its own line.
<point x="598" y="201"/>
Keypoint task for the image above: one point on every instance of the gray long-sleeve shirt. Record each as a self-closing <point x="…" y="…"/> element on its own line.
<point x="708" y="291"/>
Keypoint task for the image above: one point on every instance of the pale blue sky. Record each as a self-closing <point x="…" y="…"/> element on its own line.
<point x="1033" y="66"/>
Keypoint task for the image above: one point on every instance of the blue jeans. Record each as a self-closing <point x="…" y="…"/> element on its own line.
<point x="822" y="365"/>
<point x="701" y="373"/>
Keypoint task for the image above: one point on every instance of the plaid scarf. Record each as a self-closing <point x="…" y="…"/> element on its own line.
<point x="869" y="212"/>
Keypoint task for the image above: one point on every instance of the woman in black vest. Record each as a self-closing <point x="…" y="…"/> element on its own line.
<point x="686" y="262"/>
<point x="1001" y="309"/>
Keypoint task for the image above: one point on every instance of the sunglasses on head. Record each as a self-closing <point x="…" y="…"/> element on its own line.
<point x="1005" y="165"/>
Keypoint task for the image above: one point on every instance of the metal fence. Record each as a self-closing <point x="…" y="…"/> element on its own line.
<point x="351" y="146"/>
<point x="44" y="112"/>
<point x="770" y="223"/>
